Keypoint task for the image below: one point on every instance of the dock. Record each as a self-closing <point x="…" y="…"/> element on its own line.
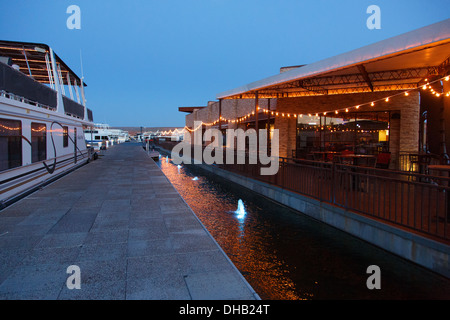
<point x="122" y="223"/>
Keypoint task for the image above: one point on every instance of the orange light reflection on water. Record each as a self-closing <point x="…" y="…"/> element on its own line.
<point x="244" y="243"/>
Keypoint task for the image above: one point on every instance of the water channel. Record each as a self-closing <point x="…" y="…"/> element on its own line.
<point x="285" y="255"/>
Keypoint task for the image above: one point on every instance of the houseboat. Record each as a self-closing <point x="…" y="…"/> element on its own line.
<point x="43" y="115"/>
<point x="99" y="137"/>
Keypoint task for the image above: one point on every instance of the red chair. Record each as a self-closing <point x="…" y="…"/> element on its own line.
<point x="383" y="160"/>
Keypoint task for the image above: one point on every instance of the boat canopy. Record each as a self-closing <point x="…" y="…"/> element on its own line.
<point x="398" y="63"/>
<point x="33" y="59"/>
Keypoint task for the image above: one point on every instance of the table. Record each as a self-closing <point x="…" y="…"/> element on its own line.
<point x="440" y="167"/>
<point x="363" y="160"/>
<point x="423" y="161"/>
<point x="356" y="159"/>
<point x="325" y="155"/>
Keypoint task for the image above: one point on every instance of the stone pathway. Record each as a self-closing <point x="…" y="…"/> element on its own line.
<point x="127" y="229"/>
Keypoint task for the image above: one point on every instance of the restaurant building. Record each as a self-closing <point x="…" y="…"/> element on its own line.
<point x="389" y="99"/>
<point x="364" y="138"/>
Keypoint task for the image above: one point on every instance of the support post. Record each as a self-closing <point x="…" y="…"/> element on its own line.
<point x="268" y="125"/>
<point x="59" y="99"/>
<point x="256" y="121"/>
<point x="220" y="119"/>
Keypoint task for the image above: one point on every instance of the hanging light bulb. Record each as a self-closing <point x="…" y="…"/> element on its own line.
<point x="372" y="104"/>
<point x="406" y="93"/>
<point x="387" y="99"/>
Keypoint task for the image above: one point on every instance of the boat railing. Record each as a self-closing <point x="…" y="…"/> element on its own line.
<point x="16" y="97"/>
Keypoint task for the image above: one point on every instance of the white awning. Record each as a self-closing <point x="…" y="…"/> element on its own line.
<point x="415" y="50"/>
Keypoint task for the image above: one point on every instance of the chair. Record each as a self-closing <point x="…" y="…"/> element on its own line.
<point x="344" y="160"/>
<point x="318" y="157"/>
<point x="383" y="160"/>
<point x="367" y="162"/>
<point x="413" y="160"/>
<point x="424" y="162"/>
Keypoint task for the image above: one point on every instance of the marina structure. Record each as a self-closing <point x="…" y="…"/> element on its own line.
<point x="41" y="118"/>
<point x="357" y="151"/>
<point x="101" y="136"/>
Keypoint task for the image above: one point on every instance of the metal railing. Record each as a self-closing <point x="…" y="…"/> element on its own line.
<point x="416" y="202"/>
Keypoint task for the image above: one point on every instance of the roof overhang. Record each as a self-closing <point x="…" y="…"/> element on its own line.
<point x="398" y="63"/>
<point x="30" y="57"/>
<point x="189" y="109"/>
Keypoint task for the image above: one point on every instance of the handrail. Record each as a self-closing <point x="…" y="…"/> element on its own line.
<point x="414" y="201"/>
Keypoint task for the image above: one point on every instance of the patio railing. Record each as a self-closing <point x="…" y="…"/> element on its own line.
<point x="409" y="200"/>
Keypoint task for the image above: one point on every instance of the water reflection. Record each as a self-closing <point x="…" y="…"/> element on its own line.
<point x="284" y="255"/>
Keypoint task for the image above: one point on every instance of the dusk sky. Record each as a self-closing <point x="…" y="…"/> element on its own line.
<point x="142" y="60"/>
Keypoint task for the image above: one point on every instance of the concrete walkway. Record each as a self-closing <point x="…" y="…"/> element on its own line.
<point x="125" y="226"/>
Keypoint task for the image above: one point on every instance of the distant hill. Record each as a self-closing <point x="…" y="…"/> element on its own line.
<point x="134" y="130"/>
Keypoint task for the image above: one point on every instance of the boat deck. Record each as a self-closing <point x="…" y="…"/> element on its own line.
<point x="125" y="226"/>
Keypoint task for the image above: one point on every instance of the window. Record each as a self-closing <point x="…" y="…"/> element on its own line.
<point x="65" y="137"/>
<point x="361" y="132"/>
<point x="38" y="142"/>
<point x="10" y="144"/>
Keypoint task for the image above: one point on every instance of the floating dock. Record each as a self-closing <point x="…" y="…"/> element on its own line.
<point x="122" y="223"/>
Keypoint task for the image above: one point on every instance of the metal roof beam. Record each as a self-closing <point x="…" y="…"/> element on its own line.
<point x="365" y="76"/>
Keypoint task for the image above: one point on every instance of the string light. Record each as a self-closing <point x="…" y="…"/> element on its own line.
<point x="347" y="109"/>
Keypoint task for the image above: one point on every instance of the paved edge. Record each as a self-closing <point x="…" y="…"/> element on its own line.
<point x="257" y="297"/>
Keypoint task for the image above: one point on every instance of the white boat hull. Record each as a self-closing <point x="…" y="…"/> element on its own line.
<point x="64" y="150"/>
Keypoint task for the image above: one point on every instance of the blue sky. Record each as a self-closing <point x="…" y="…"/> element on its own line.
<point x="142" y="59"/>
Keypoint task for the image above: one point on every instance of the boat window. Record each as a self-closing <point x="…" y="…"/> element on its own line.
<point x="65" y="137"/>
<point x="38" y="142"/>
<point x="10" y="144"/>
<point x="97" y="137"/>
